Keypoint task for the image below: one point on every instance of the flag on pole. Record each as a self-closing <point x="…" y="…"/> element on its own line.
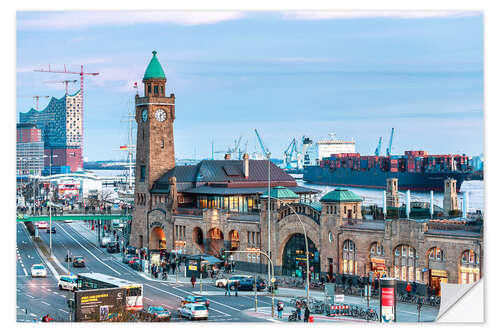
<point x="123" y="147"/>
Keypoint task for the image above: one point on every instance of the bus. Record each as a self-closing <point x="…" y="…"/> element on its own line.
<point x="134" y="291"/>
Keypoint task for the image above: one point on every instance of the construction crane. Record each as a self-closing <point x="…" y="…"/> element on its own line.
<point x="231" y="150"/>
<point x="265" y="150"/>
<point x="377" y="151"/>
<point x="37" y="100"/>
<point x="390" y="143"/>
<point x="82" y="74"/>
<point x="65" y="83"/>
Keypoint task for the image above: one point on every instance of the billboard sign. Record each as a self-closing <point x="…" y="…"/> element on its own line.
<point x="96" y="305"/>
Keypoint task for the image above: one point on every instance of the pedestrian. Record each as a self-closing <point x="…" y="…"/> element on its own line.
<point x="408" y="288"/>
<point x="343" y="279"/>
<point x="228" y="289"/>
<point x="193" y="280"/>
<point x="306" y="314"/>
<point x="236" y="287"/>
<point x="299" y="312"/>
<point x="280" y="309"/>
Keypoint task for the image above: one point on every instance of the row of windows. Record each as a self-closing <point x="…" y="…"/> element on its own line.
<point x="180" y="232"/>
<point x="253" y="239"/>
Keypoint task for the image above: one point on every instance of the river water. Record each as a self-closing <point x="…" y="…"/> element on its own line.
<point x="375" y="196"/>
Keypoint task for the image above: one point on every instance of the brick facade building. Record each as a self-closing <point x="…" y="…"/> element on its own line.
<point x="222" y="205"/>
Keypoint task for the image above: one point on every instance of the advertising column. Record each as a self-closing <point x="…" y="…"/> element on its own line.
<point x="387" y="300"/>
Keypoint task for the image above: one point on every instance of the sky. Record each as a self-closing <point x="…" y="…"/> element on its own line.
<point x="286" y="74"/>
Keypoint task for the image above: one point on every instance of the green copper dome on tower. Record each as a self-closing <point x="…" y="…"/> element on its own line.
<point x="341" y="195"/>
<point x="154" y="70"/>
<point x="280" y="192"/>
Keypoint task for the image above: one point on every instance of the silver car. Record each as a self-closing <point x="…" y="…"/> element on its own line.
<point x="193" y="311"/>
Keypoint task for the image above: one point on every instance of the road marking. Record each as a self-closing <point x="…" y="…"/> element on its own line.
<point x="149" y="299"/>
<point x="32" y="314"/>
<point x="63" y="310"/>
<point x="25" y="272"/>
<point x="227" y="306"/>
<point x="225" y="314"/>
<point x="91" y="253"/>
<point x="55" y="292"/>
<point x="30" y="296"/>
<point x="45" y="303"/>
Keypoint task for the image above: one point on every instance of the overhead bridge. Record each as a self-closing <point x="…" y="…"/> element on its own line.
<point x="21" y="218"/>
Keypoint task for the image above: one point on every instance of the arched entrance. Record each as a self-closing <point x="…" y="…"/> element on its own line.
<point x="294" y="257"/>
<point x="198" y="238"/>
<point x="234" y="237"/>
<point x="157" y="240"/>
<point x="215" y="241"/>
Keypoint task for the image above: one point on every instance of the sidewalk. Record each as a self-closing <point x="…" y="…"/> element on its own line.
<point x="265" y="313"/>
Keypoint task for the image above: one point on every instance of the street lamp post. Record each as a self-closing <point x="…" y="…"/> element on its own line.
<point x="268" y="155"/>
<point x="307" y="245"/>
<point x="272" y="271"/>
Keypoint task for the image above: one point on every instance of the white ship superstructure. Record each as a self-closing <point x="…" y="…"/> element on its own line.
<point x="326" y="147"/>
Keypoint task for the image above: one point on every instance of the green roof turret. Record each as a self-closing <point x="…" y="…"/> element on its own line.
<point x="341" y="195"/>
<point x="154" y="70"/>
<point x="280" y="192"/>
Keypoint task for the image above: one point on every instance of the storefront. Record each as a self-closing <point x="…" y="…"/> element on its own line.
<point x="294" y="257"/>
<point x="437" y="277"/>
<point x="468" y="274"/>
<point x="378" y="267"/>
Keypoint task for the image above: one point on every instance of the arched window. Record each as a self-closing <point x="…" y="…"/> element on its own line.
<point x="436" y="254"/>
<point x="405" y="262"/>
<point x="469" y="271"/>
<point x="349" y="258"/>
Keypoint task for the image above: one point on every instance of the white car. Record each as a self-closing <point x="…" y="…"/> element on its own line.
<point x="67" y="282"/>
<point x="193" y="311"/>
<point x="222" y="282"/>
<point x="105" y="241"/>
<point x="42" y="225"/>
<point x="38" y="270"/>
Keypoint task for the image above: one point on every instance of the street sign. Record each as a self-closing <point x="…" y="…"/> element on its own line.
<point x="339" y="298"/>
<point x="329" y="289"/>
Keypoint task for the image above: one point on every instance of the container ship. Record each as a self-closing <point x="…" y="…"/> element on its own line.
<point x="415" y="170"/>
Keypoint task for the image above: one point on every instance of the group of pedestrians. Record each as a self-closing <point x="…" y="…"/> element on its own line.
<point x="236" y="285"/>
<point x="298" y="311"/>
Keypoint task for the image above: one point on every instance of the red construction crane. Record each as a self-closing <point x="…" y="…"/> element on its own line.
<point x="81" y="73"/>
<point x="65" y="83"/>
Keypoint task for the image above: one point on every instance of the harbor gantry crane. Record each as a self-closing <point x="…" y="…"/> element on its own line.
<point x="377" y="150"/>
<point x="36" y="98"/>
<point x="82" y="74"/>
<point x="288" y="155"/>
<point x="264" y="148"/>
<point x="230" y="150"/>
<point x="65" y="83"/>
<point x="390" y="143"/>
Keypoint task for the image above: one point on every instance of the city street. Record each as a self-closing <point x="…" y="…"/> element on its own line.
<point x="41" y="295"/>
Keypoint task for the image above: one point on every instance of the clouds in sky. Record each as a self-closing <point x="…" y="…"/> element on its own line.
<point x="82" y="19"/>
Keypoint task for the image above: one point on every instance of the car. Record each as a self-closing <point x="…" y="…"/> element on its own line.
<point x="222" y="282"/>
<point x="78" y="261"/>
<point x="113" y="247"/>
<point x="126" y="258"/>
<point x="193" y="311"/>
<point x="42" y="225"/>
<point x="105" y="241"/>
<point x="66" y="221"/>
<point x="131" y="250"/>
<point x="53" y="229"/>
<point x="159" y="312"/>
<point x="132" y="260"/>
<point x="248" y="284"/>
<point x="67" y="282"/>
<point x="195" y="299"/>
<point x="136" y="265"/>
<point x="38" y="270"/>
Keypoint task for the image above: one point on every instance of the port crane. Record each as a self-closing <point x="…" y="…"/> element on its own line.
<point x="82" y="74"/>
<point x="377" y="151"/>
<point x="265" y="150"/>
<point x="232" y="150"/>
<point x="66" y="82"/>
<point x="288" y="155"/>
<point x="390" y="143"/>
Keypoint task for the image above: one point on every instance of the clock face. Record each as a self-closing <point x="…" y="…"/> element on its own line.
<point x="160" y="115"/>
<point x="144" y="115"/>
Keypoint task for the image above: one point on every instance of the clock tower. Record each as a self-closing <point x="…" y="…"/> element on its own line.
<point x="155" y="155"/>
